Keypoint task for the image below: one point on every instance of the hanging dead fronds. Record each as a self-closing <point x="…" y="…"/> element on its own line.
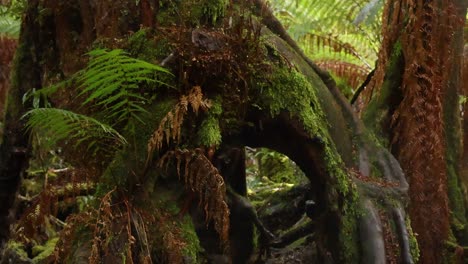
<point x="170" y="126"/>
<point x="102" y="228"/>
<point x="202" y="177"/>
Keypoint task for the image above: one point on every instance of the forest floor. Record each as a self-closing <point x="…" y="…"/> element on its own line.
<point x="282" y="209"/>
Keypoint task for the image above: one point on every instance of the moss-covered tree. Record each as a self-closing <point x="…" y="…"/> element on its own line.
<point x="237" y="80"/>
<point x="415" y="90"/>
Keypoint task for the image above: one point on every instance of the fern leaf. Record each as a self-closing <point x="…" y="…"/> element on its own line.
<point x="60" y="124"/>
<point x="110" y="78"/>
<point x="9" y="25"/>
<point x="334" y="18"/>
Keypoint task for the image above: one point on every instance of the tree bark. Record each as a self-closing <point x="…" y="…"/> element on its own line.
<point x="414" y="107"/>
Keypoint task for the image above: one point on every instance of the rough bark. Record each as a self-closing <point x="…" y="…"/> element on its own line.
<point x="415" y="98"/>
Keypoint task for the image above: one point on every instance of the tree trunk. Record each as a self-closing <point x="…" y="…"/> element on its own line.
<point x="6" y="57"/>
<point x="415" y="108"/>
<point x="262" y="91"/>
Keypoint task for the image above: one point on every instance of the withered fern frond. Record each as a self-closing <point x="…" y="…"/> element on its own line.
<point x="202" y="177"/>
<point x="352" y="73"/>
<point x="170" y="126"/>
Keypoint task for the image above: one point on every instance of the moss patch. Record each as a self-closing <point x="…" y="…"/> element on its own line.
<point x="376" y="115"/>
<point x="171" y="231"/>
<point x="289" y="90"/>
<point x="42" y="252"/>
<point x="209" y="132"/>
<point x="414" y="248"/>
<point x="18" y="248"/>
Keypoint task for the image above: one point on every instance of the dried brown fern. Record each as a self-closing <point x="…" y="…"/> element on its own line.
<point x="64" y="245"/>
<point x="352" y="73"/>
<point x="102" y="228"/>
<point x="203" y="178"/>
<point x="36" y="217"/>
<point x="111" y="225"/>
<point x="171" y="124"/>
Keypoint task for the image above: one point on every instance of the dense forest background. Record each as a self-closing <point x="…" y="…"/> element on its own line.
<point x="215" y="131"/>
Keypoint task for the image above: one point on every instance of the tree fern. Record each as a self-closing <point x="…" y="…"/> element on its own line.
<point x="112" y="80"/>
<point x="60" y="124"/>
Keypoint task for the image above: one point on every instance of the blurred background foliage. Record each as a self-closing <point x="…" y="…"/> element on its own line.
<point x="10" y="17"/>
<point x="342" y="37"/>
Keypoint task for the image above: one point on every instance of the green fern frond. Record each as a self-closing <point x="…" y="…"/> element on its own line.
<point x="345" y="28"/>
<point x="41" y="96"/>
<point x="9" y="25"/>
<point x="60" y="124"/>
<point x="113" y="80"/>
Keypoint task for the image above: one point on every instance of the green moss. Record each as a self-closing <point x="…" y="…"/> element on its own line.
<point x="456" y="201"/>
<point x="343" y="85"/>
<point x="451" y="251"/>
<point x="413" y="242"/>
<point x="192" y="248"/>
<point x="209" y="132"/>
<point x="42" y="252"/>
<point x="377" y="112"/>
<point x="165" y="203"/>
<point x="453" y="136"/>
<point x="348" y="234"/>
<point x="18" y="248"/>
<point x="288" y="90"/>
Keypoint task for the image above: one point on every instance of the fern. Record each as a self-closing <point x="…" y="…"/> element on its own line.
<point x="113" y="80"/>
<point x="334" y="30"/>
<point x="9" y="24"/>
<point x="60" y="124"/>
